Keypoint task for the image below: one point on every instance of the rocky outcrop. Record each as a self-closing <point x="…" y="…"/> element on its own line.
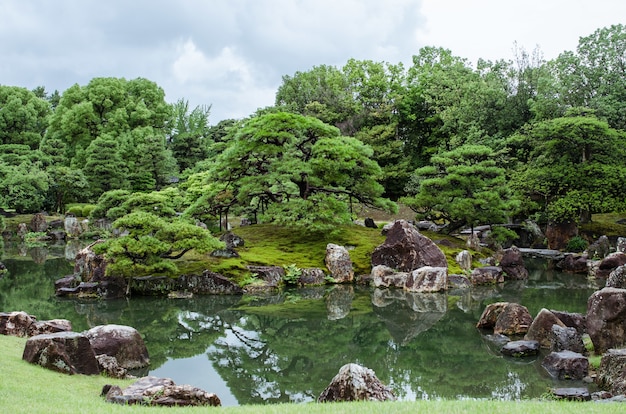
<point x="123" y="343"/>
<point x="513" y="320"/>
<point x="339" y="263"/>
<point x="606" y="319"/>
<point x="541" y="328"/>
<point x="512" y="264"/>
<point x="356" y="383"/>
<point x="406" y="249"/>
<point x="66" y="352"/>
<point x="159" y="392"/>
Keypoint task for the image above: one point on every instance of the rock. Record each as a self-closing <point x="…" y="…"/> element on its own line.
<point x="513" y="320"/>
<point x="566" y="339"/>
<point x="15" y="323"/>
<point x="609" y="263"/>
<point x="541" y="328"/>
<point x="487" y="275"/>
<point x="558" y="234"/>
<point x="566" y="365"/>
<point x="573" y="263"/>
<point x="464" y="259"/>
<point x="231" y="240"/>
<point x="386" y="277"/>
<point x="571" y="394"/>
<point x="272" y="275"/>
<point x="519" y="349"/>
<point x="159" y="391"/>
<point x="369" y="223"/>
<point x="606" y="319"/>
<point x="48" y="327"/>
<point x="458" y="281"/>
<point x="108" y="365"/>
<point x="512" y="264"/>
<point x="312" y="276"/>
<point x="599" y="249"/>
<point x="405" y="249"/>
<point x="339" y="263"/>
<point x="122" y="342"/>
<point x="227" y="253"/>
<point x="617" y="278"/>
<point x="72" y="226"/>
<point x="572" y="320"/>
<point x="611" y="374"/>
<point x="621" y="244"/>
<point x="22" y="229"/>
<point x="38" y="223"/>
<point x="490" y="315"/>
<point x="339" y="302"/>
<point x="66" y="352"/>
<point x="356" y="383"/>
<point x="89" y="266"/>
<point x="427" y="279"/>
<point x="207" y="283"/>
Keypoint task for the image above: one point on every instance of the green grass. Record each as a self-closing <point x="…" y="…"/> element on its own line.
<point x="27" y="388"/>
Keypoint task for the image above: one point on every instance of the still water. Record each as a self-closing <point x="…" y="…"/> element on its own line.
<point x="287" y="346"/>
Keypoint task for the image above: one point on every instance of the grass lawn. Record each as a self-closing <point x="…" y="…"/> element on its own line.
<point x="27" y="388"/>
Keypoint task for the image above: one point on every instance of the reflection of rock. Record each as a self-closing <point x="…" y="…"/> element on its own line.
<point x="339" y="302"/>
<point x="408" y="314"/>
<point x="38" y="254"/>
<point x="356" y="383"/>
<point x="159" y="391"/>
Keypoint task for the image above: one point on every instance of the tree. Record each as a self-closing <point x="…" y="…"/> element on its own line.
<point x="293" y="168"/>
<point x="187" y="140"/>
<point x="462" y="187"/>
<point x="574" y="167"/>
<point x="151" y="244"/>
<point x="66" y="185"/>
<point x="23" y="116"/>
<point x="104" y="167"/>
<point x="23" y="187"/>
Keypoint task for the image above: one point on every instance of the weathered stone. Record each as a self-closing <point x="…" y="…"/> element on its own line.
<point x="571" y="394"/>
<point x="608" y="264"/>
<point x="566" y="365"/>
<point x="566" y="339"/>
<point x="38" y="223"/>
<point x="66" y="352"/>
<point x="541" y="328"/>
<point x="487" y="275"/>
<point x="159" y="391"/>
<point x="600" y="248"/>
<point x="312" y="276"/>
<point x="520" y="349"/>
<point x="22" y="229"/>
<point x="405" y="249"/>
<point x="572" y="320"/>
<point x="458" y="281"/>
<point x="339" y="263"/>
<point x="384" y="276"/>
<point x="574" y="263"/>
<point x="227" y="253"/>
<point x="621" y="244"/>
<point x="108" y="365"/>
<point x="356" y="383"/>
<point x="90" y="266"/>
<point x="606" y="319"/>
<point x="369" y="223"/>
<point x="72" y="227"/>
<point x="272" y="275"/>
<point x="207" y="283"/>
<point x="611" y="375"/>
<point x="15" y="323"/>
<point x="427" y="279"/>
<point x="464" y="259"/>
<point x="122" y="342"/>
<point x="558" y="234"/>
<point x="513" y="320"/>
<point x="617" y="278"/>
<point x="231" y="240"/>
<point x="48" y="327"/>
<point x="512" y="264"/>
<point x="490" y="315"/>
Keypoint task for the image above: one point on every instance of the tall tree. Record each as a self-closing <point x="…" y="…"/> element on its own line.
<point x="23" y="116"/>
<point x="189" y="134"/>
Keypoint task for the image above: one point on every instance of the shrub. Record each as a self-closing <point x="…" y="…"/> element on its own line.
<point x="292" y="274"/>
<point x="75" y="210"/>
<point x="576" y="244"/>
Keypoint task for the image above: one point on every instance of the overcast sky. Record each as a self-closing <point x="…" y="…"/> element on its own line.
<point x="232" y="54"/>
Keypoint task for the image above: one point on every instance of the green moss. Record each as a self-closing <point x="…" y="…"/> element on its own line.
<point x="604" y="225"/>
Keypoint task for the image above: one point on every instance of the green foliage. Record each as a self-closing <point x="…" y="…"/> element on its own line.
<point x="109" y="200"/>
<point x="577" y="244"/>
<point x="292" y="274"/>
<point x="500" y="235"/>
<point x="23" y="116"/>
<point x="23" y="188"/>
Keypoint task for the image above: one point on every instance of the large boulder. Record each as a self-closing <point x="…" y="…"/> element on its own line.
<point x="566" y="365"/>
<point x="513" y="320"/>
<point x="122" y="342"/>
<point x="66" y="352"/>
<point x="566" y="339"/>
<point x="490" y="315"/>
<point x="487" y="275"/>
<point x="606" y="319"/>
<point x="512" y="264"/>
<point x="386" y="277"/>
<point x="577" y="321"/>
<point x="609" y="264"/>
<point x="38" y="223"/>
<point x="427" y="279"/>
<point x="574" y="263"/>
<point x="159" y="392"/>
<point x="558" y="234"/>
<point x="339" y="263"/>
<point x="611" y="375"/>
<point x="617" y="278"/>
<point x="15" y="323"/>
<point x="406" y="249"/>
<point x="50" y="326"/>
<point x="541" y="328"/>
<point x="356" y="383"/>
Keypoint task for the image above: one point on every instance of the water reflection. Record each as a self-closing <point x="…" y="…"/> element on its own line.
<point x="286" y="346"/>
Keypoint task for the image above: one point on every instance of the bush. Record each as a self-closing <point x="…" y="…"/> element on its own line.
<point x="75" y="210"/>
<point x="87" y="209"/>
<point x="577" y="244"/>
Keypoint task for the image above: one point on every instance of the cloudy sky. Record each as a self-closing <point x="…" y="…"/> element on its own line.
<point x="232" y="54"/>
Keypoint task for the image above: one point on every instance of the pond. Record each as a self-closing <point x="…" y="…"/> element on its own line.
<point x="287" y="346"/>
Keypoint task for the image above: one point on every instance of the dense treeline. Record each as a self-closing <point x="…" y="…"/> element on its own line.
<point x="501" y="141"/>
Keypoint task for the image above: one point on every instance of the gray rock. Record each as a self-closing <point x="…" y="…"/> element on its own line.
<point x="427" y="279"/>
<point x="571" y="394"/>
<point x="611" y="374"/>
<point x="487" y="275"/>
<point x="566" y="365"/>
<point x="606" y="319"/>
<point x="464" y="259"/>
<point x="122" y="342"/>
<point x="356" y="383"/>
<point x="386" y="277"/>
<point x="541" y="328"/>
<point x="566" y="339"/>
<point x="520" y="349"/>
<point x="159" y="392"/>
<point x="339" y="263"/>
<point x="66" y="352"/>
<point x="617" y="278"/>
